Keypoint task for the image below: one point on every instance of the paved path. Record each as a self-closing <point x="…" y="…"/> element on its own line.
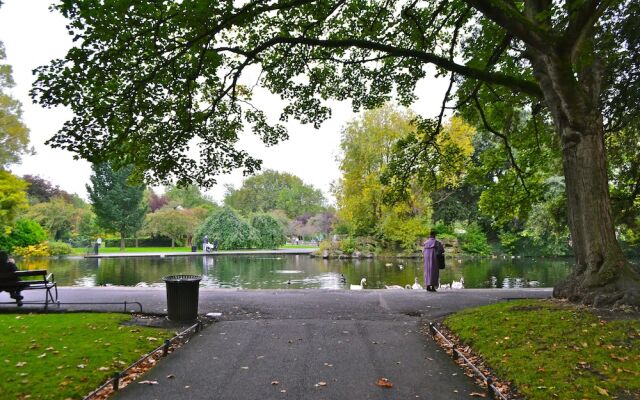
<point x="201" y="253"/>
<point x="346" y="339"/>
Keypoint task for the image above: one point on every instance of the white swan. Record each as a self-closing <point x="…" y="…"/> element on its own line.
<point x="416" y="285"/>
<point x="393" y="287"/>
<point x="363" y="283"/>
<point x="458" y="284"/>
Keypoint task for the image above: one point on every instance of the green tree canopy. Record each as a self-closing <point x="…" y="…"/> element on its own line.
<point x="58" y="217"/>
<point x="273" y="190"/>
<point x="116" y="203"/>
<point x="229" y="229"/>
<point x="188" y="196"/>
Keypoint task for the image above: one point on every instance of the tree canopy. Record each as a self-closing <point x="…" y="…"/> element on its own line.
<point x="273" y="190"/>
<point x="147" y="78"/>
<point x="14" y="134"/>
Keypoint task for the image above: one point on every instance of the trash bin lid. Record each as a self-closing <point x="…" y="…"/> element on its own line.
<point x="182" y="278"/>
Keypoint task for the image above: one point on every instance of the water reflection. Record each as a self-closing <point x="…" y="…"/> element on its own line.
<point x="297" y="271"/>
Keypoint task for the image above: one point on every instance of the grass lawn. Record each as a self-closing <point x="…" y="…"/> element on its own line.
<point x="552" y="350"/>
<point x="60" y="356"/>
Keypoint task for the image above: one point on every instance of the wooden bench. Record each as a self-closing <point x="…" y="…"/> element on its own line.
<point x="35" y="279"/>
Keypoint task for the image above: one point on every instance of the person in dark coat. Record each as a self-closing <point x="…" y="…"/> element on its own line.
<point x="7" y="265"/>
<point x="431" y="249"/>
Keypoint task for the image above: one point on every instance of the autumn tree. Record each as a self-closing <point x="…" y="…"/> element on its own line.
<point x="14" y="134"/>
<point x="116" y="203"/>
<point x="13" y="200"/>
<point x="369" y="165"/>
<point x="147" y="78"/>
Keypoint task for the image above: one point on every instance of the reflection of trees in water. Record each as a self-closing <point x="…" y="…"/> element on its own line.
<point x="266" y="271"/>
<point x="528" y="272"/>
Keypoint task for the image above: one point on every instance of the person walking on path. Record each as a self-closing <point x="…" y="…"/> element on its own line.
<point x="432" y="248"/>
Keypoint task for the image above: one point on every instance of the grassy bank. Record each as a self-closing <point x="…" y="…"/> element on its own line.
<point x="551" y="350"/>
<point x="59" y="356"/>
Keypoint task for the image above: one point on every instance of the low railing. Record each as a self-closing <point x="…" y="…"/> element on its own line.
<point x="114" y="382"/>
<point x="492" y="390"/>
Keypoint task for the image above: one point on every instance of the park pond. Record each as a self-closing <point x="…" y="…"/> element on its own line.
<point x="298" y="271"/>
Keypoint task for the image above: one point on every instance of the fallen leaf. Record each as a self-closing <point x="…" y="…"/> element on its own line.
<point x="322" y="383"/>
<point x="103" y="369"/>
<point x="43" y="355"/>
<point x="171" y="376"/>
<point x="244" y="367"/>
<point x="602" y="391"/>
<point x="148" y="382"/>
<point x="21" y="364"/>
<point x="275" y="383"/>
<point x="384" y="382"/>
<point x="477" y="394"/>
<point x="283" y="391"/>
<point x="81" y="366"/>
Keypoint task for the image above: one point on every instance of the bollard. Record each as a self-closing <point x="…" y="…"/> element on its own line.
<point x="165" y="348"/>
<point x="116" y="381"/>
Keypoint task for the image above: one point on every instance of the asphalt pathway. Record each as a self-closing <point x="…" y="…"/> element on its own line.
<point x="303" y="344"/>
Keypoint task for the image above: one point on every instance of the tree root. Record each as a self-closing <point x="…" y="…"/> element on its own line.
<point x="618" y="291"/>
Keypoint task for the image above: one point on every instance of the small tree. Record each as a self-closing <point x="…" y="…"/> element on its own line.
<point x="173" y="223"/>
<point x="117" y="204"/>
<point x="269" y="232"/>
<point x="229" y="229"/>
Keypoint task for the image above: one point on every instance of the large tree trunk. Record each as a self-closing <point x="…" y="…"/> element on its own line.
<point x="602" y="276"/>
<point x="121" y="241"/>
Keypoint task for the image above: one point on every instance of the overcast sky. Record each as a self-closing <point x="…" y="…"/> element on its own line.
<point x="33" y="36"/>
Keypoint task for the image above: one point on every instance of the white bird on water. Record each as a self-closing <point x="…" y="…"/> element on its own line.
<point x="416" y="285"/>
<point x="458" y="285"/>
<point x="363" y="283"/>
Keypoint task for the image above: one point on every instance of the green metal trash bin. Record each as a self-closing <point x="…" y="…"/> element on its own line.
<point x="182" y="296"/>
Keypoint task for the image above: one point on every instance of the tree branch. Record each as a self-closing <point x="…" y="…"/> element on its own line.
<point x="508" y="17"/>
<point x="517" y="84"/>
<point x="505" y="140"/>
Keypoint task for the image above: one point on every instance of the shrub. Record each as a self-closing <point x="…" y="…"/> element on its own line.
<point x="59" y="248"/>
<point x="475" y="241"/>
<point x="229" y="229"/>
<point x="269" y="232"/>
<point x="26" y="232"/>
<point x="348" y="245"/>
<point x="38" y="250"/>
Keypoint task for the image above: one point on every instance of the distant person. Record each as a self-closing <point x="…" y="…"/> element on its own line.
<point x="215" y="244"/>
<point x="205" y="243"/>
<point x="96" y="246"/>
<point x="432" y="249"/>
<point x="8" y="265"/>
